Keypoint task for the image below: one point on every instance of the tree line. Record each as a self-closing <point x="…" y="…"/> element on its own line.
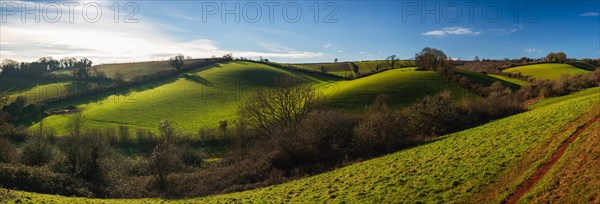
<point x="79" y="67"/>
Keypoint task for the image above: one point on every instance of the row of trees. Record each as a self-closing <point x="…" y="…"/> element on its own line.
<point x="79" y="67"/>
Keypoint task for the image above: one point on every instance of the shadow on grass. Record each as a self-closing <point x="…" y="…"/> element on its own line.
<point x="122" y="91"/>
<point x="197" y="79"/>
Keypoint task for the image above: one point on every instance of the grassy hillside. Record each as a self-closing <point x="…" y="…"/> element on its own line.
<point x="340" y="68"/>
<point x="199" y="98"/>
<point x="33" y="89"/>
<point x="583" y="65"/>
<point x="455" y="168"/>
<point x="130" y="70"/>
<point x="575" y="178"/>
<point x="487" y="80"/>
<point x="43" y="90"/>
<point x="404" y="86"/>
<point x="547" y="71"/>
<point x="343" y="68"/>
<point x="459" y="167"/>
<point x="367" y="66"/>
<point x="139" y="70"/>
<point x="511" y="80"/>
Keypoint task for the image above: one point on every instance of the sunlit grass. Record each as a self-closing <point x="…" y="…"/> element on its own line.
<point x="547" y="71"/>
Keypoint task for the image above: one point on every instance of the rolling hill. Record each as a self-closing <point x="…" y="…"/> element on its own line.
<point x="487" y="80"/>
<point x="45" y="90"/>
<point x="343" y="69"/>
<point x="468" y="166"/>
<point x="201" y="97"/>
<point x="197" y="99"/>
<point x="547" y="71"/>
<point x="404" y="86"/>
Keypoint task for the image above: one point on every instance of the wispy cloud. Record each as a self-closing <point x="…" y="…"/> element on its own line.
<point x="330" y="46"/>
<point x="510" y="30"/>
<point x="533" y="50"/>
<point x="451" y="31"/>
<point x="108" y="42"/>
<point x="589" y="14"/>
<point x="366" y="54"/>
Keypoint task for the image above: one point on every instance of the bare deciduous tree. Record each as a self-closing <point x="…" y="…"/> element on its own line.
<point x="283" y="106"/>
<point x="391" y="61"/>
<point x="165" y="159"/>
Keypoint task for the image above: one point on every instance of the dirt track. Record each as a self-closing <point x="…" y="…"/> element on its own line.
<point x="524" y="187"/>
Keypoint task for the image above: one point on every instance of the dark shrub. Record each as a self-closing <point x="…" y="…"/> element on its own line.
<point x="8" y="152"/>
<point x="42" y="180"/>
<point x="328" y="134"/>
<point x="83" y="154"/>
<point x="165" y="159"/>
<point x="37" y="151"/>
<point x="191" y="157"/>
<point x="379" y="130"/>
<point x="432" y="116"/>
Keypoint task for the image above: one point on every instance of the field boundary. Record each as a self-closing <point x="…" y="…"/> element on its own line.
<point x="543" y="169"/>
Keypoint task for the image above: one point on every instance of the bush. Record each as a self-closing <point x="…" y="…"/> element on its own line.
<point x="165" y="159"/>
<point x="37" y="151"/>
<point x="146" y="139"/>
<point x="379" y="130"/>
<point x="191" y="157"/>
<point x="8" y="152"/>
<point x="42" y="180"/>
<point x="124" y="136"/>
<point x="495" y="106"/>
<point x="432" y="116"/>
<point x="327" y="134"/>
<point x="83" y="154"/>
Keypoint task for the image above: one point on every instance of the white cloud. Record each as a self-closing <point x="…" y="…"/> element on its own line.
<point x="435" y="33"/>
<point x="330" y="46"/>
<point x="533" y="50"/>
<point x="589" y="14"/>
<point x="509" y="30"/>
<point x="451" y="31"/>
<point x="107" y="42"/>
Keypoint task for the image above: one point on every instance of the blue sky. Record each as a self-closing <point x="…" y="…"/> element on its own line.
<point x="347" y="30"/>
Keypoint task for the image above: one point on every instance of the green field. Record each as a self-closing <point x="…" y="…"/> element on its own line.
<point x="340" y="69"/>
<point x="139" y="70"/>
<point x="575" y="177"/>
<point x="547" y="71"/>
<point x="455" y="168"/>
<point x="583" y="65"/>
<point x="459" y="167"/>
<point x="43" y="90"/>
<point x="131" y="70"/>
<point x="343" y="68"/>
<point x="487" y="80"/>
<point x="404" y="86"/>
<point x="34" y="89"/>
<point x="511" y="80"/>
<point x="198" y="99"/>
<point x="367" y="66"/>
<point x="201" y="97"/>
